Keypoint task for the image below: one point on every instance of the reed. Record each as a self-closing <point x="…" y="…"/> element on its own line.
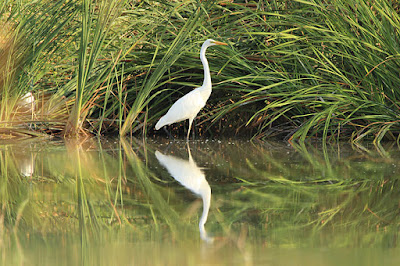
<point x="294" y="69"/>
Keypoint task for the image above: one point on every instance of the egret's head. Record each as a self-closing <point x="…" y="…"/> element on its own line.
<point x="211" y="42"/>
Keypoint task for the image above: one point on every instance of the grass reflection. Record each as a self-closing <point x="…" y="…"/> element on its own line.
<point x="85" y="200"/>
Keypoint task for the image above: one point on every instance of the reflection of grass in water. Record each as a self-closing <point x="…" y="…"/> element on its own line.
<point x="350" y="208"/>
<point x="154" y="199"/>
<point x="300" y="197"/>
<point x="104" y="194"/>
<point x="158" y="200"/>
<point x="85" y="196"/>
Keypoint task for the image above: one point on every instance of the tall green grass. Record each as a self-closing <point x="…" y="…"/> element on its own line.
<point x="293" y="69"/>
<point x="95" y="27"/>
<point x="329" y="70"/>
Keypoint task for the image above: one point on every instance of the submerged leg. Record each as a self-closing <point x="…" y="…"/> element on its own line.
<point x="190" y="126"/>
<point x="168" y="133"/>
<point x="194" y="129"/>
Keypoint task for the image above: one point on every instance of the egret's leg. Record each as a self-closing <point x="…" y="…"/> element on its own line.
<point x="190" y="126"/>
<point x="168" y="133"/>
<point x="194" y="129"/>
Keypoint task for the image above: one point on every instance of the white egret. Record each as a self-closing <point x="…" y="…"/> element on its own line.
<point x="192" y="177"/>
<point x="188" y="106"/>
<point x="27" y="102"/>
<point x="26" y="164"/>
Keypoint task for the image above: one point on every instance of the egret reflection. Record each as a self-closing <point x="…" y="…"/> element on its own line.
<point x="26" y="164"/>
<point x="192" y="177"/>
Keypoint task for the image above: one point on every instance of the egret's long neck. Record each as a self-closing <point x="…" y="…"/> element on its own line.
<point x="206" y="195"/>
<point x="207" y="75"/>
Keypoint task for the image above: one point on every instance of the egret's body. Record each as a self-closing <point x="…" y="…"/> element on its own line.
<point x="190" y="104"/>
<point x="27" y="102"/>
<point x="28" y="99"/>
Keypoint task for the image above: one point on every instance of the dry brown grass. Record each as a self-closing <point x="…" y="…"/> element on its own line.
<point x="6" y="49"/>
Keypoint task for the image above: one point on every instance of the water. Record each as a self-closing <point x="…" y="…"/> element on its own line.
<point x="231" y="202"/>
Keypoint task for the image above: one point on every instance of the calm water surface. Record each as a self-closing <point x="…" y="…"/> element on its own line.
<point x="230" y="202"/>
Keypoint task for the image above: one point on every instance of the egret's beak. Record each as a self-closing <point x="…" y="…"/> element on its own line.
<point x="220" y="43"/>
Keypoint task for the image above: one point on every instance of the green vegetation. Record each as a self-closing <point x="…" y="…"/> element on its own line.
<point x="294" y="69"/>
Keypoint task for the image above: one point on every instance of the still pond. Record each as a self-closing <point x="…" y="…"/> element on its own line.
<point x="206" y="202"/>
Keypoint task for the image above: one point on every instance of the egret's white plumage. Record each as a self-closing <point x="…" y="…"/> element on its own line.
<point x="28" y="99"/>
<point x="192" y="177"/>
<point x="188" y="106"/>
